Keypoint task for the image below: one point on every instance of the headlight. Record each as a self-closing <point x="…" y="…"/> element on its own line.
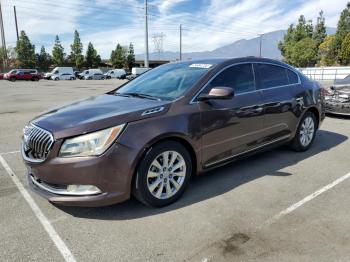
<point x="93" y="144"/>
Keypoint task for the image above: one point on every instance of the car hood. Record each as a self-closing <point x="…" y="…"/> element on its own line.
<point x="97" y="113"/>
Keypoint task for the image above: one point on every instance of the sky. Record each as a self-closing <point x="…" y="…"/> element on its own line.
<point x="207" y="24"/>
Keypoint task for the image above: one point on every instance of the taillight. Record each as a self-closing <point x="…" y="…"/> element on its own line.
<point x="324" y="92"/>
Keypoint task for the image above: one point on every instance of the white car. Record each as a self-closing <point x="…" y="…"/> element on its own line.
<point x="64" y="76"/>
<point x="89" y="72"/>
<point x="57" y="71"/>
<point x="115" y="73"/>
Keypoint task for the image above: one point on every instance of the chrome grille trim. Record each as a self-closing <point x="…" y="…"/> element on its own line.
<point x="37" y="143"/>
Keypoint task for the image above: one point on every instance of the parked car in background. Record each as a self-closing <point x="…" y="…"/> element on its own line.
<point x="130" y="77"/>
<point x="86" y="73"/>
<point x="76" y="74"/>
<point x="139" y="70"/>
<point x="64" y="76"/>
<point x="1" y="76"/>
<point x="124" y="76"/>
<point x="338" y="97"/>
<point x="115" y="73"/>
<point x="57" y="71"/>
<point x="95" y="76"/>
<point x="23" y="74"/>
<point x="149" y="136"/>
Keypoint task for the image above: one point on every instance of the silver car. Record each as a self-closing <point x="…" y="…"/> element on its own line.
<point x="95" y="76"/>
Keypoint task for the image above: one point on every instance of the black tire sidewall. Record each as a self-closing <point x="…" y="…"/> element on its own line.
<point x="141" y="189"/>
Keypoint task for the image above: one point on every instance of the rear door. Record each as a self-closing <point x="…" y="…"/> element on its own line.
<point x="27" y="75"/>
<point x="278" y="100"/>
<point x="233" y="126"/>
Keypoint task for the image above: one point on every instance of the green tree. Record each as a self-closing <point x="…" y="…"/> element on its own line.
<point x="343" y="29"/>
<point x="345" y="50"/>
<point x="326" y="51"/>
<point x="302" y="29"/>
<point x="76" y="56"/>
<point x="118" y="56"/>
<point x="298" y="46"/>
<point x="320" y="33"/>
<point x="130" y="59"/>
<point x="58" y="53"/>
<point x="25" y="51"/>
<point x="304" y="53"/>
<point x="92" y="59"/>
<point x="43" y="59"/>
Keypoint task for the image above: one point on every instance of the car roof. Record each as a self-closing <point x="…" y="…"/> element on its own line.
<point x="227" y="61"/>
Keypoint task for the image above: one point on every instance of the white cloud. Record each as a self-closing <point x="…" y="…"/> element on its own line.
<point x="218" y="23"/>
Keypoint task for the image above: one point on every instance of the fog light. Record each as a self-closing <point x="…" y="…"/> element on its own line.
<point x="83" y="190"/>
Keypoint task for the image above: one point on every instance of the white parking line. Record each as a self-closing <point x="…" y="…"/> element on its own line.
<point x="9" y="153"/>
<point x="66" y="253"/>
<point x="307" y="199"/>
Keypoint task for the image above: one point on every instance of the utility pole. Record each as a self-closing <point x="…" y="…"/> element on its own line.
<point x="146" y="35"/>
<point x="3" y="42"/>
<point x="260" y="45"/>
<point x="180" y="42"/>
<point x="14" y="11"/>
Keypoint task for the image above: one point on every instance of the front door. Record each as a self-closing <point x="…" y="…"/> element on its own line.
<point x="233" y="126"/>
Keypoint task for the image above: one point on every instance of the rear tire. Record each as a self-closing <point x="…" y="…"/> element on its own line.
<point x="306" y="133"/>
<point x="163" y="174"/>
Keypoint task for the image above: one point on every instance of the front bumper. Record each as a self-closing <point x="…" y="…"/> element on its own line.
<point x="111" y="173"/>
<point x="339" y="108"/>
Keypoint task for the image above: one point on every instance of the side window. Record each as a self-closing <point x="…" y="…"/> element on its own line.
<point x="238" y="77"/>
<point x="293" y="77"/>
<point x="271" y="76"/>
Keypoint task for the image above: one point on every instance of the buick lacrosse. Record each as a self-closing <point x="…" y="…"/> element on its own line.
<point x="149" y="136"/>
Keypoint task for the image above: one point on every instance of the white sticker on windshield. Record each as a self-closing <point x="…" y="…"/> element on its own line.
<point x="201" y="65"/>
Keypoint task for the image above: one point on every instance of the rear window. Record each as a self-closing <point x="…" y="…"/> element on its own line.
<point x="293" y="77"/>
<point x="271" y="76"/>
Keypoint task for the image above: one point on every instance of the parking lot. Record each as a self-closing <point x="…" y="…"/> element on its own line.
<point x="276" y="206"/>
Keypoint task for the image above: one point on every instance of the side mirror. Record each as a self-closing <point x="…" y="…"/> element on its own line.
<point x="222" y="92"/>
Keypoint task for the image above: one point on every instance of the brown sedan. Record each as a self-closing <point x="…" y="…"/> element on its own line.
<point x="148" y="137"/>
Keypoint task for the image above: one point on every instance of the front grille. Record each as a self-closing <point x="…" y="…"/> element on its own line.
<point x="37" y="142"/>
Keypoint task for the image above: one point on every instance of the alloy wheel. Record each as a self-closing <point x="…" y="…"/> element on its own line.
<point x="307" y="131"/>
<point x="166" y="174"/>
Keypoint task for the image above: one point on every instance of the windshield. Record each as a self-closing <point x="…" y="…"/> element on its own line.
<point x="13" y="71"/>
<point x="166" y="82"/>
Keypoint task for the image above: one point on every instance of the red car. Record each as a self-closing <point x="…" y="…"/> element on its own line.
<point x="23" y="74"/>
<point x="1" y="76"/>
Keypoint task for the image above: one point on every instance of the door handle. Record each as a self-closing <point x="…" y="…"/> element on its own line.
<point x="276" y="104"/>
<point x="258" y="109"/>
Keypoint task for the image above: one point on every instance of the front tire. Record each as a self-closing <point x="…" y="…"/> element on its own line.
<point x="306" y="133"/>
<point x="163" y="174"/>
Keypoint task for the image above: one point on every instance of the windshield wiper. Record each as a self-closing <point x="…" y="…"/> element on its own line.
<point x="139" y="95"/>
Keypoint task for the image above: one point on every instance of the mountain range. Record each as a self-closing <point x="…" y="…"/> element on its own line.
<point x="243" y="47"/>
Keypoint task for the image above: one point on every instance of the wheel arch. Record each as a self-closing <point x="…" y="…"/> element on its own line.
<point x="316" y="112"/>
<point x="170" y="137"/>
